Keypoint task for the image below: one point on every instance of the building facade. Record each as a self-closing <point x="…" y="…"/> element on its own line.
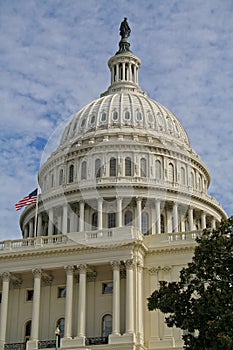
<point x="123" y="198"/>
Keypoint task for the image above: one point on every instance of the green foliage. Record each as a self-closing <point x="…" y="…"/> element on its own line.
<point x="201" y="302"/>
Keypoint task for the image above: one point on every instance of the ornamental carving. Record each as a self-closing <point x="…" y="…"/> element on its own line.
<point x="6" y="276"/>
<point x="115" y="265"/>
<point x="69" y="269"/>
<point x="82" y="268"/>
<point x="36" y="272"/>
<point x="47" y="279"/>
<point x="91" y="276"/>
<point x="129" y="264"/>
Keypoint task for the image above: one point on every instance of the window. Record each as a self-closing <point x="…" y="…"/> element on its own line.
<point x="106" y="325"/>
<point x="61" y="326"/>
<point x="27" y="332"/>
<point x="71" y="173"/>
<point x="128" y="218"/>
<point x="95" y="221"/>
<point x="150" y="117"/>
<point x="107" y="288"/>
<point x="93" y="119"/>
<point x="0" y="297"/>
<point x="103" y="117"/>
<point x="158" y="170"/>
<point x="113" y="167"/>
<point x="143" y="167"/>
<point x="182" y="176"/>
<point x="97" y="168"/>
<point x="52" y="180"/>
<point x="162" y="224"/>
<point x="145" y="223"/>
<point x="60" y="177"/>
<point x="84" y="170"/>
<point x="61" y="292"/>
<point x="83" y="123"/>
<point x="192" y="180"/>
<point x="29" y="295"/>
<point x="115" y="115"/>
<point x="139" y="116"/>
<point x="127" y="115"/>
<point x="128" y="167"/>
<point x="111" y="220"/>
<point x="170" y="172"/>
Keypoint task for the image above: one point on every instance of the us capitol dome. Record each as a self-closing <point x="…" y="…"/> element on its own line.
<point x="123" y="198"/>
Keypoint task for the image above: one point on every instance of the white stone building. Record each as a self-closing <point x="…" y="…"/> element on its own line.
<point x="123" y="199"/>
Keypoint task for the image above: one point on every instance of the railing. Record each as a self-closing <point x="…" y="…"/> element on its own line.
<point x="15" y="346"/>
<point x="96" y="341"/>
<point x="45" y="344"/>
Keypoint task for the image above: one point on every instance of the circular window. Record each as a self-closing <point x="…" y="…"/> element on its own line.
<point x="103" y="117"/>
<point x="93" y="119"/>
<point x="83" y="123"/>
<point x="139" y="116"/>
<point x="115" y="115"/>
<point x="127" y="115"/>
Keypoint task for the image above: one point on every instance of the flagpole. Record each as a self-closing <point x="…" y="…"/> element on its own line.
<point x="36" y="213"/>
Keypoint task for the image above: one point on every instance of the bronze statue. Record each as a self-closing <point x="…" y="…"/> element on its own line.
<point x="125" y="29"/>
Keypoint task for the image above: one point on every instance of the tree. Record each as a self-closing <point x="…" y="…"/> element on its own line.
<point x="201" y="302"/>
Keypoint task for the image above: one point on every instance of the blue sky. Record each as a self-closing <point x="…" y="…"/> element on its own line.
<point x="53" y="61"/>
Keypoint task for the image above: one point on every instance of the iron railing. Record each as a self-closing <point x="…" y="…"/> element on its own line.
<point x="15" y="346"/>
<point x="96" y="340"/>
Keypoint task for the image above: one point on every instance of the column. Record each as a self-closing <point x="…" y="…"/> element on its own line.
<point x="81" y="216"/>
<point x="119" y="212"/>
<point x="36" y="304"/>
<point x="139" y="213"/>
<point x="50" y="228"/>
<point x="100" y="213"/>
<point x="117" y="72"/>
<point x="112" y="75"/>
<point x="69" y="301"/>
<point x="31" y="228"/>
<point x="175" y="217"/>
<point x="140" y="303"/>
<point x="154" y="316"/>
<point x="129" y="321"/>
<point x="64" y="219"/>
<point x="116" y="298"/>
<point x="39" y="225"/>
<point x="26" y="231"/>
<point x="213" y="223"/>
<point x="130" y="72"/>
<point x="82" y="305"/>
<point x="73" y="224"/>
<point x="123" y="71"/>
<point x="4" y="307"/>
<point x="158" y="217"/>
<point x="134" y="73"/>
<point x="203" y="220"/>
<point x="190" y="217"/>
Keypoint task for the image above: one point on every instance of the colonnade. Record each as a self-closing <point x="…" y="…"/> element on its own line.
<point x="176" y="217"/>
<point x="79" y="337"/>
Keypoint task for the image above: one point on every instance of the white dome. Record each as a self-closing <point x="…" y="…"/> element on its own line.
<point x="125" y="110"/>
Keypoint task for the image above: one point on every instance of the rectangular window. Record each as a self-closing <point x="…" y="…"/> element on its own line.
<point x="61" y="292"/>
<point x="0" y="297"/>
<point x="111" y="220"/>
<point x="29" y="295"/>
<point x="107" y="288"/>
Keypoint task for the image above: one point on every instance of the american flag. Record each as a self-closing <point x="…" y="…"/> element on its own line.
<point x="29" y="199"/>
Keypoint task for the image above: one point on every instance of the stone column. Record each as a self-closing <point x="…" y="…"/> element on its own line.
<point x="175" y="217"/>
<point x="123" y="71"/>
<point x="31" y="228"/>
<point x="203" y="220"/>
<point x="81" y="216"/>
<point x="116" y="299"/>
<point x="64" y="219"/>
<point x="154" y="316"/>
<point x="213" y="223"/>
<point x="4" y="307"/>
<point x="26" y="231"/>
<point x="139" y="213"/>
<point x="130" y="72"/>
<point x="69" y="301"/>
<point x="82" y="305"/>
<point x="36" y="304"/>
<point x="117" y="72"/>
<point x="190" y="217"/>
<point x="112" y="74"/>
<point x="50" y="228"/>
<point x="39" y="225"/>
<point x="158" y="216"/>
<point x="129" y="322"/>
<point x="100" y="213"/>
<point x="140" y="303"/>
<point x="119" y="212"/>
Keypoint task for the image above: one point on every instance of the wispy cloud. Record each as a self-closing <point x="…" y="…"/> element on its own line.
<point x="53" y="60"/>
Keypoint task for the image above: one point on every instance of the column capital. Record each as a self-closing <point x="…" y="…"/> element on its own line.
<point x="115" y="265"/>
<point x="82" y="268"/>
<point x="37" y="272"/>
<point x="69" y="269"/>
<point x="91" y="276"/>
<point x="6" y="276"/>
<point x="129" y="264"/>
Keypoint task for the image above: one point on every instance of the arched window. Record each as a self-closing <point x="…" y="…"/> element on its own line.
<point x="111" y="220"/>
<point x="27" y="332"/>
<point x="60" y="182"/>
<point x="52" y="180"/>
<point x="84" y="170"/>
<point x="94" y="221"/>
<point x="145" y="223"/>
<point x="127" y="115"/>
<point x="106" y="325"/>
<point x="170" y="172"/>
<point x="158" y="170"/>
<point x="71" y="173"/>
<point x="103" y="117"/>
<point x="128" y="167"/>
<point x="97" y="168"/>
<point x="128" y="218"/>
<point x="61" y="326"/>
<point x="192" y="180"/>
<point x="162" y="224"/>
<point x="182" y="176"/>
<point x="113" y="167"/>
<point x="143" y="167"/>
<point x="115" y="115"/>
